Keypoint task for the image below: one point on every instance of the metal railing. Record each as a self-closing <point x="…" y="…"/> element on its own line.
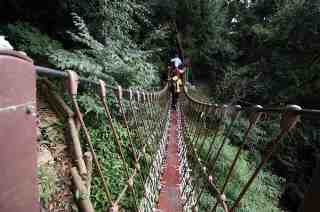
<point x="205" y="121"/>
<point x="142" y="121"/>
<point x="142" y="114"/>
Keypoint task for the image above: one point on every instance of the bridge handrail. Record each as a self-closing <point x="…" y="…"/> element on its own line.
<point x="142" y="115"/>
<point x="290" y="115"/>
<point x="54" y="73"/>
<point x="133" y="95"/>
<point x="251" y="108"/>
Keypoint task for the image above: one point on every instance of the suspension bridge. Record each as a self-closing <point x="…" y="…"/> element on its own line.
<point x="185" y="144"/>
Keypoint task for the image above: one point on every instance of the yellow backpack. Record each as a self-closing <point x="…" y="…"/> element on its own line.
<point x="178" y="83"/>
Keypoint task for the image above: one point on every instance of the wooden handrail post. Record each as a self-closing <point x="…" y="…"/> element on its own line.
<point x="18" y="137"/>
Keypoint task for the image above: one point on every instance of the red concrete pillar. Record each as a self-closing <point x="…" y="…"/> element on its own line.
<point x="18" y="149"/>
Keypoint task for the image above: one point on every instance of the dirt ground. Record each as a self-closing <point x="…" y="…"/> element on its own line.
<point x="54" y="162"/>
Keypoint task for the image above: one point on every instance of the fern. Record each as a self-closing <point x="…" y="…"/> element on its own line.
<point x="126" y="65"/>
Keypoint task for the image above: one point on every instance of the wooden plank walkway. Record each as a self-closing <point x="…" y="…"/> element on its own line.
<point x="170" y="198"/>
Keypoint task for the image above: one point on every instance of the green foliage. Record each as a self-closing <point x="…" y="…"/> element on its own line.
<point x="47" y="179"/>
<point x="262" y="195"/>
<point x="272" y="44"/>
<point x="165" y="10"/>
<point x="112" y="166"/>
<point x="121" y="21"/>
<point x="76" y="61"/>
<point x="91" y="58"/>
<point x="111" y="40"/>
<point x="107" y="152"/>
<point x="26" y="38"/>
<point x="116" y="41"/>
<point x="128" y="66"/>
<point x="277" y="39"/>
<point x="215" y="48"/>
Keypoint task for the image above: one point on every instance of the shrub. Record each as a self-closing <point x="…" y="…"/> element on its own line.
<point x="263" y="193"/>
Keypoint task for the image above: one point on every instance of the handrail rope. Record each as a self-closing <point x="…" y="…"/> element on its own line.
<point x="292" y="110"/>
<point x="288" y="121"/>
<point x="237" y="108"/>
<point x="149" y="111"/>
<point x="154" y="134"/>
<point x="119" y="143"/>
<point x="144" y="124"/>
<point x="119" y="98"/>
<point x="203" y="117"/>
<point x="136" y="159"/>
<point x="253" y="119"/>
<point x="54" y="73"/>
<point x="73" y="87"/>
<point x="197" y="132"/>
<point x="205" y="131"/>
<point x="142" y="147"/>
<point x="226" y="135"/>
<point x="147" y="129"/>
<point x="187" y="194"/>
<point x="148" y="108"/>
<point x="204" y="172"/>
<point x="150" y="181"/>
<point x="150" y="115"/>
<point x="254" y="108"/>
<point x="290" y="116"/>
<point x="220" y="120"/>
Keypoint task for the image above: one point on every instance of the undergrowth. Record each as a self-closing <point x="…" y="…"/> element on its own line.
<point x="113" y="168"/>
<point x="262" y="195"/>
<point x="47" y="177"/>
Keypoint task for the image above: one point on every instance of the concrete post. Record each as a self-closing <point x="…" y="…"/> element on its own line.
<point x="18" y="137"/>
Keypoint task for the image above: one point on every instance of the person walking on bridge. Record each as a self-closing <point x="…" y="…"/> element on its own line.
<point x="176" y="71"/>
<point x="176" y="61"/>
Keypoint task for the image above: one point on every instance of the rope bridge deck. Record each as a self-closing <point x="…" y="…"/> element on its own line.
<point x="170" y="198"/>
<point x="184" y="145"/>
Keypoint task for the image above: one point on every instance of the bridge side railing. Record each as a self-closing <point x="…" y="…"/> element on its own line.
<point x="216" y="122"/>
<point x="139" y="112"/>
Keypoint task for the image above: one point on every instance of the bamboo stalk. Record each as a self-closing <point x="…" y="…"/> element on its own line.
<point x="88" y="162"/>
<point x="77" y="147"/>
<point x="84" y="200"/>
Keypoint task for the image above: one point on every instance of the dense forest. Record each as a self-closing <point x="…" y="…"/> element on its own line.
<point x="268" y="48"/>
<point x="254" y="51"/>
